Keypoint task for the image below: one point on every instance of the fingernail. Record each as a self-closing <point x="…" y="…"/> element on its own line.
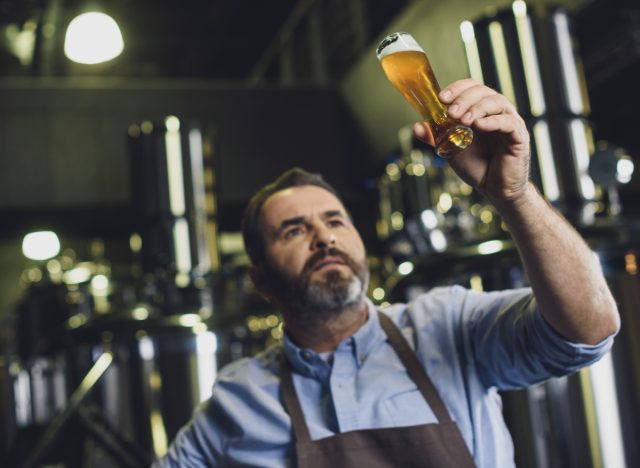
<point x="466" y="116"/>
<point x="445" y="94"/>
<point x="418" y="129"/>
<point x="453" y="108"/>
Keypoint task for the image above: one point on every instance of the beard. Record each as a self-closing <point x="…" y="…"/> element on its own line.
<point x="315" y="300"/>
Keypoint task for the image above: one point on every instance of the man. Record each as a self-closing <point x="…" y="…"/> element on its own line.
<point x="346" y="389"/>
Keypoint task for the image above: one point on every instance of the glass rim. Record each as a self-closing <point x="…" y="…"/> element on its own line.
<point x="397" y="42"/>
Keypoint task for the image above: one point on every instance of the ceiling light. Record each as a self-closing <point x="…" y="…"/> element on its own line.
<point x="93" y="38"/>
<point x="41" y="245"/>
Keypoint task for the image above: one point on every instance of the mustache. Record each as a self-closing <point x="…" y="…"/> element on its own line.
<point x="330" y="252"/>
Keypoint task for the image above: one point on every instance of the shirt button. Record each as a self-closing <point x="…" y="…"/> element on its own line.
<point x="306" y="355"/>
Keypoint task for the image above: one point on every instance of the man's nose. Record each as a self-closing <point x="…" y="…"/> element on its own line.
<point x="324" y="238"/>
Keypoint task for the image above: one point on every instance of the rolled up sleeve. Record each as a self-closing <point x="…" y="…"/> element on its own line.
<point x="514" y="346"/>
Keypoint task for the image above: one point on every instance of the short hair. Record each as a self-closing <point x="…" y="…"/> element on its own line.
<point x="251" y="232"/>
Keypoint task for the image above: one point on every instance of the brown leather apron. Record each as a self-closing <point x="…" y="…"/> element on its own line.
<point x="427" y="445"/>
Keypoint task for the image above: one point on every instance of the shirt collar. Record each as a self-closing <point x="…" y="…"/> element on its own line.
<point x="307" y="362"/>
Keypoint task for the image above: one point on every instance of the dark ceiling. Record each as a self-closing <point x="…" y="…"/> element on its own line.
<point x="202" y="39"/>
<point x="196" y="38"/>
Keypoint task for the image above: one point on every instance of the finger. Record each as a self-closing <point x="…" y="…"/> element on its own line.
<point x="504" y="123"/>
<point x="423" y="132"/>
<point x="468" y="98"/>
<point x="492" y="104"/>
<point x="450" y="92"/>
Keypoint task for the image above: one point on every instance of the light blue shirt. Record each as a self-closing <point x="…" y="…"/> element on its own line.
<point x="471" y="344"/>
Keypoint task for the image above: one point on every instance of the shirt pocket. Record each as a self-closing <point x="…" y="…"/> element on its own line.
<point x="409" y="408"/>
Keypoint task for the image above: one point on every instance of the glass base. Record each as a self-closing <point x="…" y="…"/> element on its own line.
<point x="453" y="140"/>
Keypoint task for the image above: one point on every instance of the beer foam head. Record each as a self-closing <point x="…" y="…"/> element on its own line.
<point x="397" y="42"/>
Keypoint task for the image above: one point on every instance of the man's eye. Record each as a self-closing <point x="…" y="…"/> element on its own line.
<point x="335" y="223"/>
<point x="292" y="232"/>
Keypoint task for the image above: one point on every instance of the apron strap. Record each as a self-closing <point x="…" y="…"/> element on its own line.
<point x="291" y="402"/>
<point x="414" y="368"/>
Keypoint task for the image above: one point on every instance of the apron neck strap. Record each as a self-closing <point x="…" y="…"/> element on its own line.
<point x="414" y="368"/>
<point x="291" y="402"/>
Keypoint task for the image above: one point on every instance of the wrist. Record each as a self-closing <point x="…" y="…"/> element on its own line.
<point x="517" y="201"/>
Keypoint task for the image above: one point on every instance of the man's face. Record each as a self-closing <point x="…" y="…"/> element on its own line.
<point x="315" y="258"/>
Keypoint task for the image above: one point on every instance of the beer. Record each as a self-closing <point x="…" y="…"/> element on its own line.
<point x="407" y="67"/>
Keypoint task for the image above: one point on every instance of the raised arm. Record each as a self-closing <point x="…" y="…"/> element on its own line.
<point x="566" y="278"/>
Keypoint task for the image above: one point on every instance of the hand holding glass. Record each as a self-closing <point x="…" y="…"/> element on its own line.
<point x="407" y="67"/>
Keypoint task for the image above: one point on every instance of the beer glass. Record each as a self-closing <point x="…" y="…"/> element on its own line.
<point x="406" y="65"/>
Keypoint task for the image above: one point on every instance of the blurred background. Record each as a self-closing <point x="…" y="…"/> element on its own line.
<point x="126" y="158"/>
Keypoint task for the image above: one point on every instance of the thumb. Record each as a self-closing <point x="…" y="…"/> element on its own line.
<point x="423" y="132"/>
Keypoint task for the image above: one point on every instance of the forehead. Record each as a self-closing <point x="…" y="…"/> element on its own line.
<point x="302" y="201"/>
